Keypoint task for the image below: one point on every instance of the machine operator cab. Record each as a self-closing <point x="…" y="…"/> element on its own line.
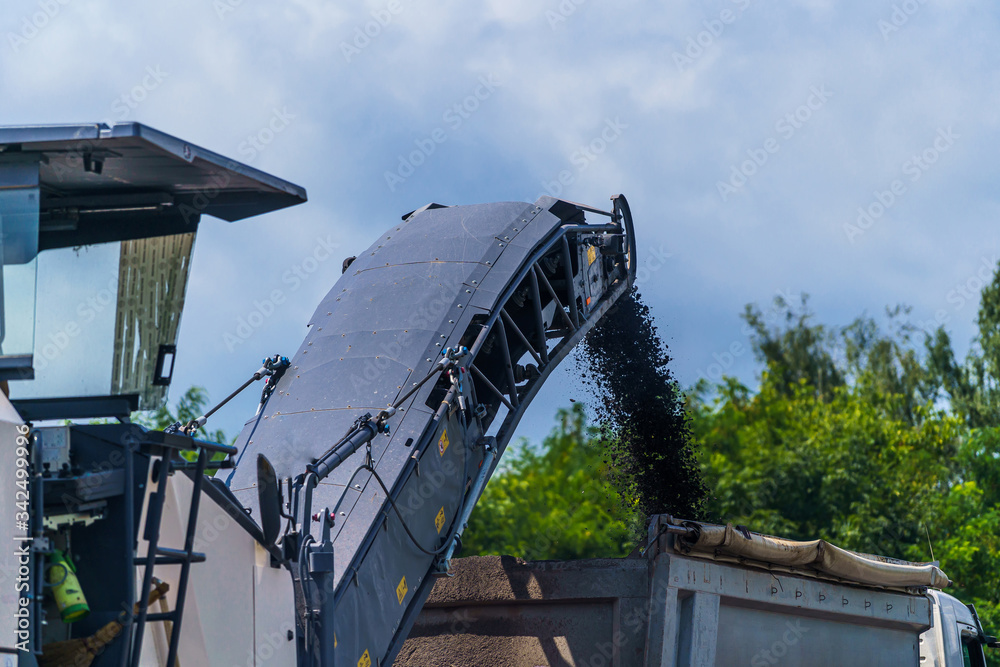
<point x="97" y="229"/>
<point x="97" y="226"/>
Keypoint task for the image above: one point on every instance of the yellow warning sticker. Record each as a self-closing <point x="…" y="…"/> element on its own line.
<point x="439" y="520"/>
<point x="365" y="660"/>
<point x="591" y="255"/>
<point x="401" y="590"/>
<point x="443" y="442"/>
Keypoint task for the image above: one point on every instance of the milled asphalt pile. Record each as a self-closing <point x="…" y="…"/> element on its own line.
<point x="640" y="411"/>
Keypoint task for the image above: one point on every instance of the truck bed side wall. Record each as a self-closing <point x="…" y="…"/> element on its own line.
<point x="673" y="610"/>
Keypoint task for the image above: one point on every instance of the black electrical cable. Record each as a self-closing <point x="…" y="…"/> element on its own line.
<point x="436" y="552"/>
<point x="444" y="547"/>
<point x="302" y="585"/>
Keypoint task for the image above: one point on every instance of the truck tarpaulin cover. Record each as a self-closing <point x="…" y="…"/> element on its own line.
<point x="818" y="556"/>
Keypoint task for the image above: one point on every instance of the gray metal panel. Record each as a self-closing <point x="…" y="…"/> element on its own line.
<point x="28" y="134"/>
<point x="137" y="159"/>
<point x="375" y="323"/>
<point x="454" y="234"/>
<point x="542" y="224"/>
<point x="379" y="330"/>
<point x="752" y="636"/>
<point x="394" y="297"/>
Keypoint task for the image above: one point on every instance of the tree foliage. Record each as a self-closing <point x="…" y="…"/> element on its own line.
<point x="191" y="405"/>
<point x="553" y="502"/>
<point x="861" y="437"/>
<point x="869" y="435"/>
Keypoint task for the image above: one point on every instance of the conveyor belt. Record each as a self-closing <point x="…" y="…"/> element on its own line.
<point x="518" y="285"/>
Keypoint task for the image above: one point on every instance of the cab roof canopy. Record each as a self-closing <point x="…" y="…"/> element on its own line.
<point x="101" y="183"/>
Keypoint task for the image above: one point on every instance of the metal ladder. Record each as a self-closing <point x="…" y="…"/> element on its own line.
<point x="165" y="445"/>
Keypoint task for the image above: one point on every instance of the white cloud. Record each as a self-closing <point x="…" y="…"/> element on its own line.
<point x="561" y="83"/>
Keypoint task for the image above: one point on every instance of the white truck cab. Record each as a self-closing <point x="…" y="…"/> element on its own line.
<point x="955" y="637"/>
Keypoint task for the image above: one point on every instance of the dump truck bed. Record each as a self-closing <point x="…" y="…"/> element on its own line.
<point x="666" y="608"/>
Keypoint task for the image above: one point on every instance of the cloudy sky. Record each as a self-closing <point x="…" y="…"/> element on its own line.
<point x="845" y="150"/>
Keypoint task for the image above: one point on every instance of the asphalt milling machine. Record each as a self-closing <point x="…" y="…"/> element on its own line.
<point x="320" y="532"/>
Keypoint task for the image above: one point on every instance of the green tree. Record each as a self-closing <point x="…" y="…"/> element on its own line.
<point x="877" y="463"/>
<point x="857" y="435"/>
<point x="972" y="387"/>
<point x="191" y="405"/>
<point x="966" y="527"/>
<point x="553" y="502"/>
<point x="795" y="350"/>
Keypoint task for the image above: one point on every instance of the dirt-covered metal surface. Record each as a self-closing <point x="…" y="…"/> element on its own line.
<point x="506" y="612"/>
